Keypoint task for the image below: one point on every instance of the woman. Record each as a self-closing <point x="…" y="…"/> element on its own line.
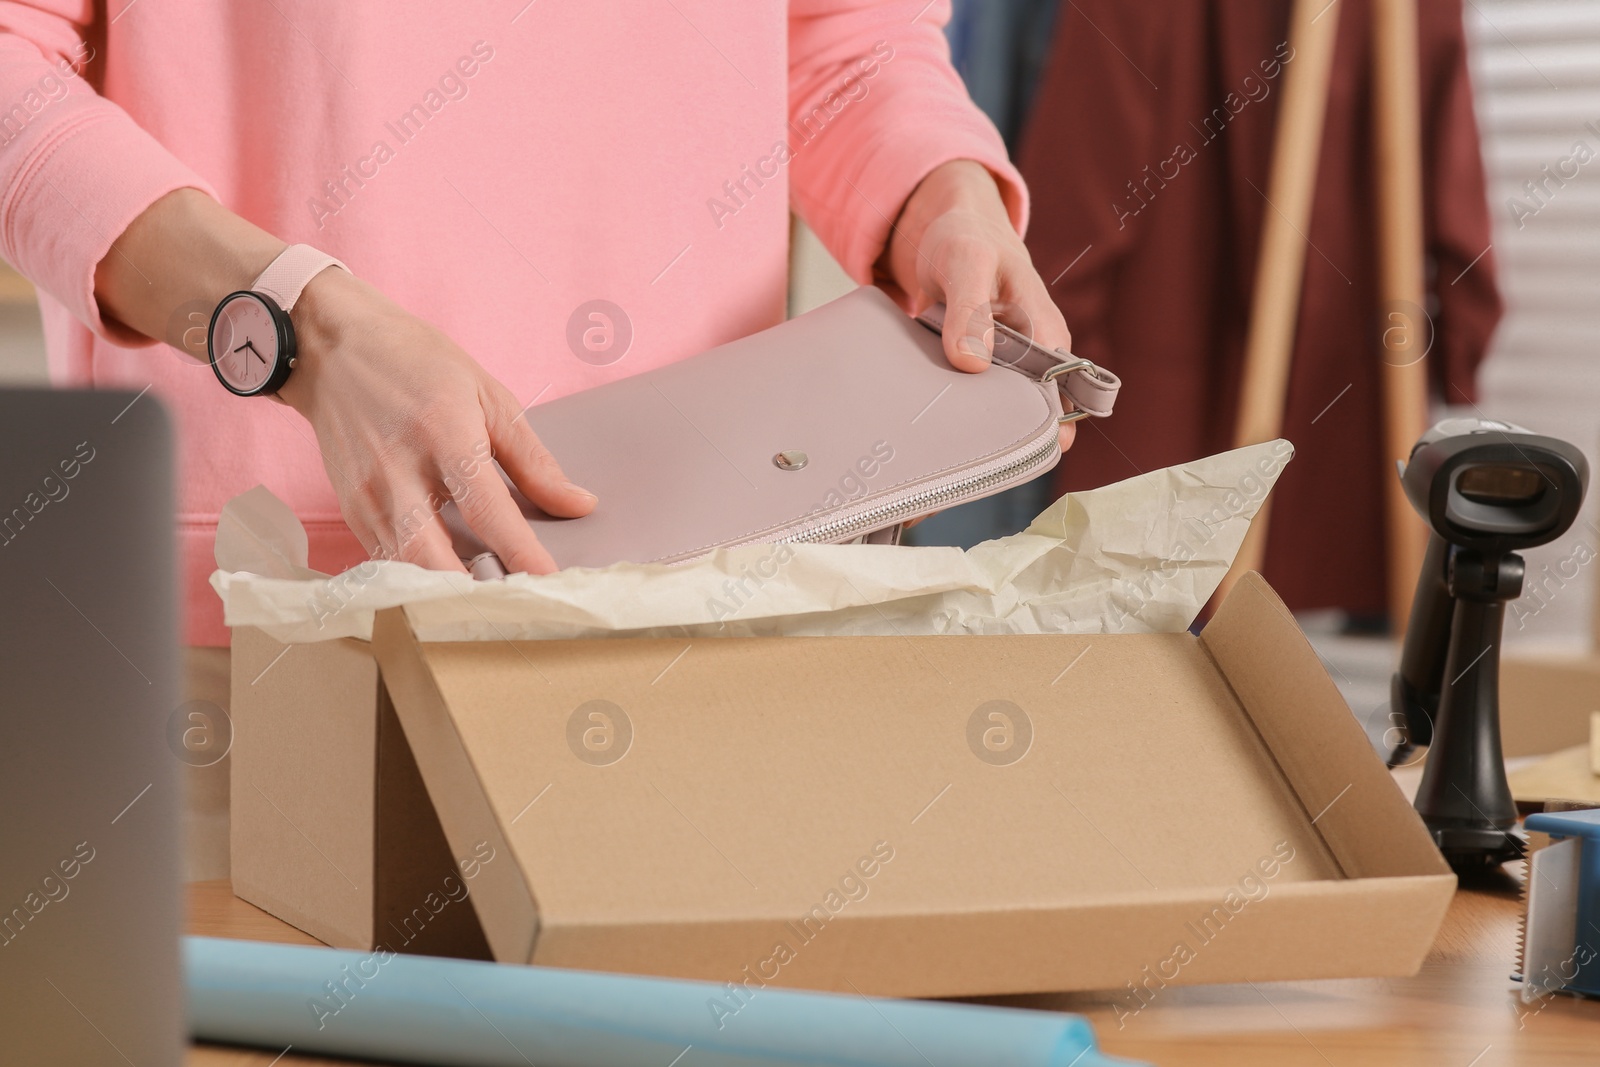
<point x="487" y="192"/>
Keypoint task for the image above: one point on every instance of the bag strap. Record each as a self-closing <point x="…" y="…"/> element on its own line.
<point x="1089" y="390"/>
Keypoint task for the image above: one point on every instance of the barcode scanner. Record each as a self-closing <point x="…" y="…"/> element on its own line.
<point x="1488" y="490"/>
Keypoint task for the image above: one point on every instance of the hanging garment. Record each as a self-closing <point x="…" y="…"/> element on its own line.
<point x="999" y="48"/>
<point x="1148" y="152"/>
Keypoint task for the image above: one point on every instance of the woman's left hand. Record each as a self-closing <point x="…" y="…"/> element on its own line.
<point x="954" y="243"/>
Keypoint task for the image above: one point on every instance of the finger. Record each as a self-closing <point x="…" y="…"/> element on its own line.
<point x="969" y="284"/>
<point x="1025" y="299"/>
<point x="1048" y="327"/>
<point x="431" y="548"/>
<point x="487" y="507"/>
<point x="415" y="534"/>
<point x="370" y="543"/>
<point x="531" y="467"/>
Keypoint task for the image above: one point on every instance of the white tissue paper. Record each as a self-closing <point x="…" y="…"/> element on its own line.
<point x="1143" y="555"/>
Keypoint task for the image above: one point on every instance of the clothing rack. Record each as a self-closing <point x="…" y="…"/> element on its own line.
<point x="1280" y="270"/>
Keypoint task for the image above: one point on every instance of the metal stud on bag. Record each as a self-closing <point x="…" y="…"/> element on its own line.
<point x="790" y="459"/>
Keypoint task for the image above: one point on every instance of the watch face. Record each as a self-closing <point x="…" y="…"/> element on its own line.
<point x="244" y="343"/>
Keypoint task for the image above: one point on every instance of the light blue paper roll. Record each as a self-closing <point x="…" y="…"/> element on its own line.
<point x="425" y="1010"/>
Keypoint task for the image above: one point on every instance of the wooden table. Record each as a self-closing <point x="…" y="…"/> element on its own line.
<point x="1461" y="1011"/>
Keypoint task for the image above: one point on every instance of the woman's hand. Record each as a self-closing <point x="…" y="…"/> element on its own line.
<point x="406" y="421"/>
<point x="954" y="243"/>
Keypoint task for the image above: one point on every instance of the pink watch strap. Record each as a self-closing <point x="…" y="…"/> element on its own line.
<point x="288" y="275"/>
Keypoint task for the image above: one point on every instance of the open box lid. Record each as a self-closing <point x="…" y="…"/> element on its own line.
<point x="923" y="816"/>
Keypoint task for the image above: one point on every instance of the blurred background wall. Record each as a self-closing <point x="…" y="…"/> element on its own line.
<point x="1536" y="67"/>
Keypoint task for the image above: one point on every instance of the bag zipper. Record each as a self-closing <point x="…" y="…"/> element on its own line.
<point x="981" y="479"/>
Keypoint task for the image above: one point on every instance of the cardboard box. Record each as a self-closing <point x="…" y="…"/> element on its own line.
<point x="1563" y="776"/>
<point x="330" y="827"/>
<point x="917" y="816"/>
<point x="1546" y="698"/>
<point x="1546" y="701"/>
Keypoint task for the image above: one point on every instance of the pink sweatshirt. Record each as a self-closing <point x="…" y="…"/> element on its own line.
<point x="492" y="167"/>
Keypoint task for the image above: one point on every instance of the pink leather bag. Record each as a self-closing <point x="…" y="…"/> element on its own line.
<point x="836" y="426"/>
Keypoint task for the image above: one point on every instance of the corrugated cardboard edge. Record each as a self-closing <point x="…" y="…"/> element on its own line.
<point x="1325" y="757"/>
<point x="275" y="866"/>
<point x="1034" y="950"/>
<point x="453" y="783"/>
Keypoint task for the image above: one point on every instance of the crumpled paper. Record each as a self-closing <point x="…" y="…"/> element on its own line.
<point x="1142" y="555"/>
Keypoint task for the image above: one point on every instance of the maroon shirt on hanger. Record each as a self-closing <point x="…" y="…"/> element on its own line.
<point x="1147" y="152"/>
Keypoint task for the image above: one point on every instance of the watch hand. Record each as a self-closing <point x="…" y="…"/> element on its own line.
<point x="252" y="346"/>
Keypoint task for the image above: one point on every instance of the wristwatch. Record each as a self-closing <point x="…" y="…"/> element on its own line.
<point x="251" y="340"/>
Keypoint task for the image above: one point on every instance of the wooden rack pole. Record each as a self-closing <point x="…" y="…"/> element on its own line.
<point x="1405" y="328"/>
<point x="1280" y="268"/>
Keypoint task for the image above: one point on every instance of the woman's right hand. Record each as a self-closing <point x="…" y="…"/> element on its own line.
<point x="406" y="421"/>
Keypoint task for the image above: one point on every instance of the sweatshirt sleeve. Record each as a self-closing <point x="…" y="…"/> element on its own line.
<point x="75" y="169"/>
<point x="874" y="106"/>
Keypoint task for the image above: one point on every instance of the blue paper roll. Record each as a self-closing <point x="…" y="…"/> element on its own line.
<point x="425" y="1010"/>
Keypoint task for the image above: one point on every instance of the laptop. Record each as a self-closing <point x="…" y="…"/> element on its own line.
<point x="90" y="898"/>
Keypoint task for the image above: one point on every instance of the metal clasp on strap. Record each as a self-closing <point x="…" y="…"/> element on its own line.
<point x="1061" y="370"/>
